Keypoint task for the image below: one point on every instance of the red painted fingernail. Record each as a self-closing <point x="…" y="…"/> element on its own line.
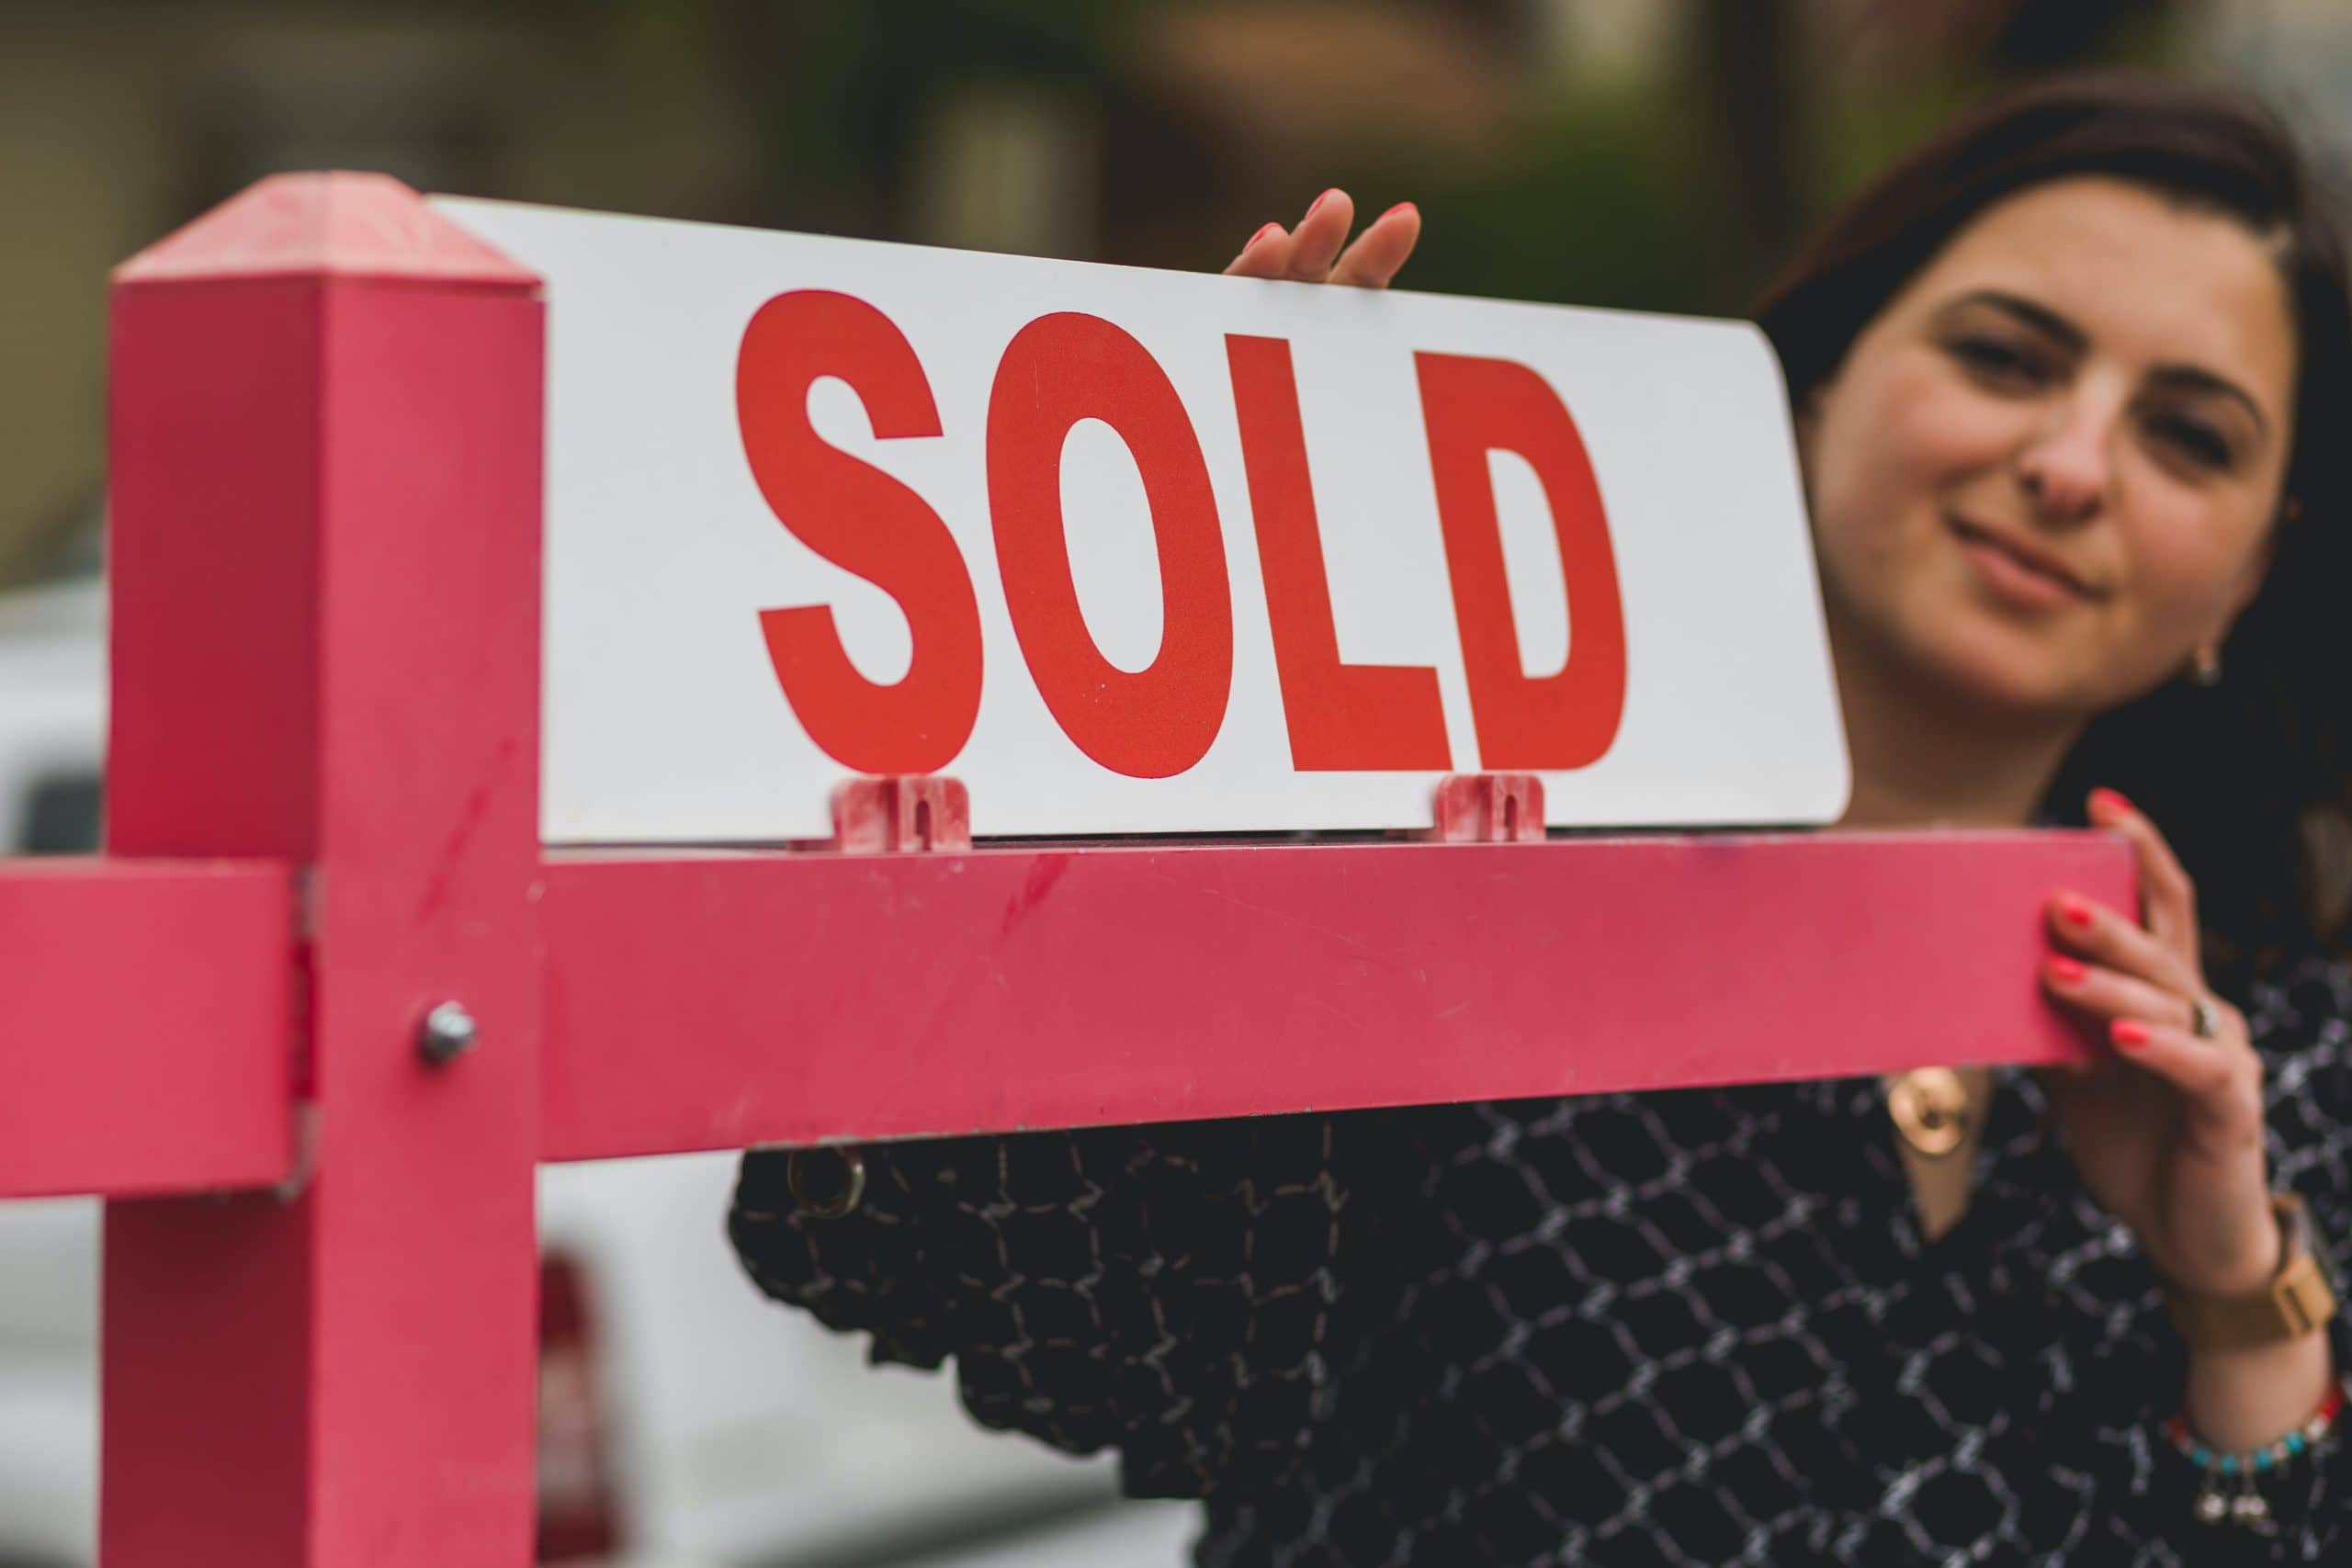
<point x="2066" y="969"/>
<point x="2113" y="800"/>
<point x="2129" y="1032"/>
<point x="1269" y="228"/>
<point x="2076" y="911"/>
<point x="1400" y="207"/>
<point x="1320" y="200"/>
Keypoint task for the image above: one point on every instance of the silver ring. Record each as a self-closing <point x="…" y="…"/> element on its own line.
<point x="2204" y="1018"/>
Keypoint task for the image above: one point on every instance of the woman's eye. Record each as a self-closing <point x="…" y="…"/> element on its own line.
<point x="1996" y="360"/>
<point x="2194" y="439"/>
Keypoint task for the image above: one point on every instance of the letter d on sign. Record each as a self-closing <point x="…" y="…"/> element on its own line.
<point x="862" y="521"/>
<point x="1567" y="719"/>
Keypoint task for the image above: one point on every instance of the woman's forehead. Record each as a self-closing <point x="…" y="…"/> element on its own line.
<point x="2141" y="276"/>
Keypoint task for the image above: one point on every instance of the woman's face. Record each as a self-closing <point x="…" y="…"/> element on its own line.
<point x="2045" y="475"/>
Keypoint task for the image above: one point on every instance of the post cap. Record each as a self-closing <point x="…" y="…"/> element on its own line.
<point x="338" y="224"/>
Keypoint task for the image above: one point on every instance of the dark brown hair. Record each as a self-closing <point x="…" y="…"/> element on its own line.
<point x="2251" y="779"/>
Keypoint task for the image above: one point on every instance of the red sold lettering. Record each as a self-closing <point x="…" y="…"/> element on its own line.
<point x="1567" y="719"/>
<point x="1159" y="721"/>
<point x="1343" y="717"/>
<point x="862" y="521"/>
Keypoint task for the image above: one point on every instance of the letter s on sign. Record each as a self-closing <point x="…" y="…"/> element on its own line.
<point x="865" y="522"/>
<point x="1567" y="719"/>
<point x="1161" y="720"/>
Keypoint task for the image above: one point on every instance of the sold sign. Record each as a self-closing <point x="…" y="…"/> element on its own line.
<point x="1131" y="551"/>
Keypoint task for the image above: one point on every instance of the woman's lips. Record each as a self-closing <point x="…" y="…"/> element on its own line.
<point x="2018" y="571"/>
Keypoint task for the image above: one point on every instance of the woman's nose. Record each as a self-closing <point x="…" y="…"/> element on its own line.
<point x="2066" y="470"/>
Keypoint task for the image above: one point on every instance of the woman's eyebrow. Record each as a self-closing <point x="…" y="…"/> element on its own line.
<point x="2197" y="379"/>
<point x="2041" y="319"/>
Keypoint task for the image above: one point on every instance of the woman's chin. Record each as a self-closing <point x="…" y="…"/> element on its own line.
<point x="1955" y="658"/>
<point x="2005" y="677"/>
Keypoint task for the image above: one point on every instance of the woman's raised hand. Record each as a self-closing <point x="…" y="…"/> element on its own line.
<point x="1311" y="253"/>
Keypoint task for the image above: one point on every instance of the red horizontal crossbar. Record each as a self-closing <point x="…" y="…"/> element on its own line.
<point x="145" y="1025"/>
<point x="697" y="1003"/>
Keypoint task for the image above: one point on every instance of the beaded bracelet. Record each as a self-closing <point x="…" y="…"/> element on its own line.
<point x="2248" y="1507"/>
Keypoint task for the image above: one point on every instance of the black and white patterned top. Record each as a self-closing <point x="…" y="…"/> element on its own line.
<point x="1687" y="1328"/>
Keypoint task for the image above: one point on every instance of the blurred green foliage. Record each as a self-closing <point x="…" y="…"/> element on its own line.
<point x="840" y="87"/>
<point x="1612" y="192"/>
<point x="1603" y="200"/>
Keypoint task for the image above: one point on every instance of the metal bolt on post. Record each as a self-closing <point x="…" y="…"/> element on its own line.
<point x="447" y="1034"/>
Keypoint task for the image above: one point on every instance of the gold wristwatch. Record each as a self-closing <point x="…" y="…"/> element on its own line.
<point x="2298" y="1300"/>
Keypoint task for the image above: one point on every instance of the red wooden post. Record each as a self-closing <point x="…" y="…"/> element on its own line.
<point x="325" y="565"/>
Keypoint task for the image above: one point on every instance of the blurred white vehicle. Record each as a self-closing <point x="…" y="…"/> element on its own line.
<point x="685" y="1419"/>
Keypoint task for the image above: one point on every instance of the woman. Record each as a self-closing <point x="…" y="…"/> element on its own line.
<point x="2071" y="385"/>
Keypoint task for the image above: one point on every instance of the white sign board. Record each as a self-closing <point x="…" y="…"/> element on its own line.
<point x="1132" y="551"/>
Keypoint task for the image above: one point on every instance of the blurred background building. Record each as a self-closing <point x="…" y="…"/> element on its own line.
<point x="1650" y="154"/>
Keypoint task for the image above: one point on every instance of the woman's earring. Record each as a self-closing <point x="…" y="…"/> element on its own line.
<point x="2206" y="669"/>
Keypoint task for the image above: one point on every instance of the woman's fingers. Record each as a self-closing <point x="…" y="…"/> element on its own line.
<point x="1311" y="253"/>
<point x="2150" y="1025"/>
<point x="1380" y="249"/>
<point x="2220" y="1080"/>
<point x="1266" y="255"/>
<point x="2167" y="897"/>
<point x="2106" y="994"/>
<point x="1315" y="243"/>
<point x="2091" y="930"/>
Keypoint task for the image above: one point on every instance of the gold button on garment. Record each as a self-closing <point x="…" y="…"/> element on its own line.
<point x="1930" y="1109"/>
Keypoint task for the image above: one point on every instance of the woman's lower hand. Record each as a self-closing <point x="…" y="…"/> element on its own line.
<point x="1312" y="252"/>
<point x="2167" y="1130"/>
